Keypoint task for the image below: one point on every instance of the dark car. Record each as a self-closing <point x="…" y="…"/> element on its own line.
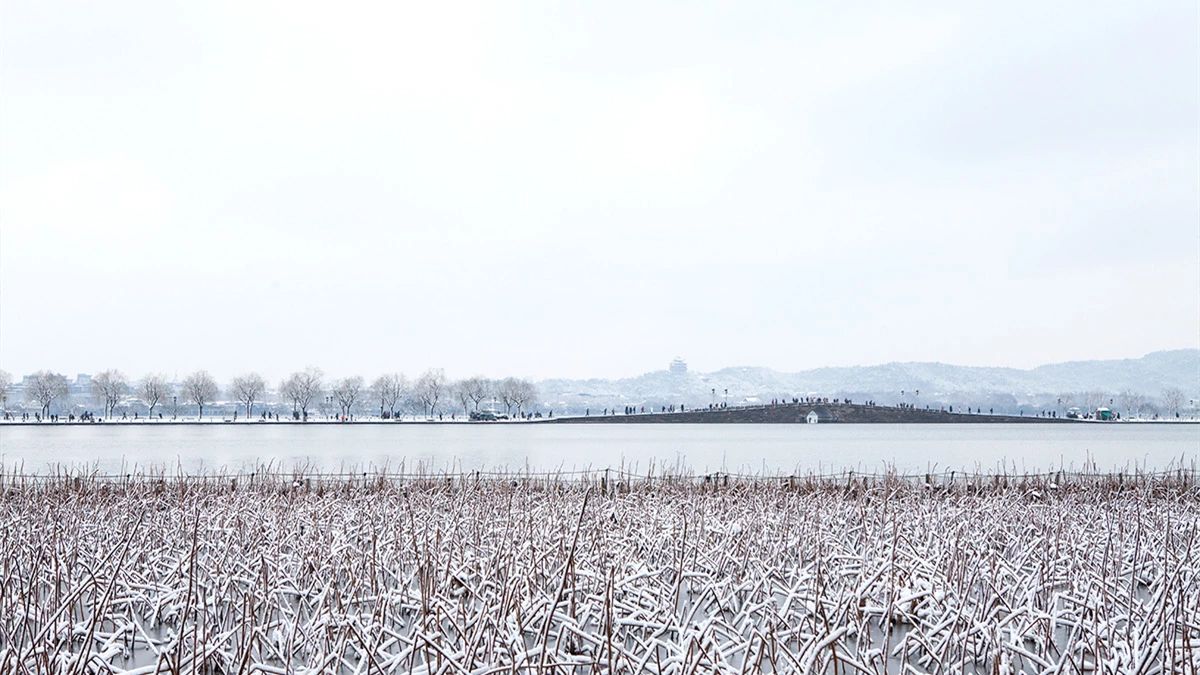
<point x="487" y="416"/>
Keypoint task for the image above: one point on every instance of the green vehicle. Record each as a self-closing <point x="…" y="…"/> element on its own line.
<point x="1104" y="414"/>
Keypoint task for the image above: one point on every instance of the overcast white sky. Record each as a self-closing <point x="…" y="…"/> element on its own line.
<point x="591" y="189"/>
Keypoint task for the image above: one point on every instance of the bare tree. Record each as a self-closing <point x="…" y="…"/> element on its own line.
<point x="515" y="393"/>
<point x="429" y="389"/>
<point x="379" y="391"/>
<point x="152" y="389"/>
<point x="522" y="394"/>
<point x="477" y="389"/>
<point x="1173" y="399"/>
<point x="462" y="395"/>
<point x="109" y="387"/>
<point x="44" y="388"/>
<point x="200" y="388"/>
<point x="301" y="388"/>
<point x="389" y="390"/>
<point x="1132" y="402"/>
<point x="1094" y="399"/>
<point x="347" y="391"/>
<point x="289" y="389"/>
<point x="247" y="389"/>
<point x="506" y="390"/>
<point x="1066" y="399"/>
<point x="5" y="385"/>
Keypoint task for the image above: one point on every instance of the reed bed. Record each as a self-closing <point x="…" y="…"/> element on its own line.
<point x="296" y="572"/>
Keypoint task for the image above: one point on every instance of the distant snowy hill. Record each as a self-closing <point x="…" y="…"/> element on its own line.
<point x="938" y="384"/>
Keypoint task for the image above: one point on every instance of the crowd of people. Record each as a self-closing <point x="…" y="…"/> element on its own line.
<point x="803" y="400"/>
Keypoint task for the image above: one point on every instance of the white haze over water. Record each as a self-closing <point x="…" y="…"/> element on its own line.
<point x="702" y="448"/>
<point x="567" y="191"/>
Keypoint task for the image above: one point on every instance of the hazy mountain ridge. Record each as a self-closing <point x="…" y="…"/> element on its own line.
<point x="1148" y="375"/>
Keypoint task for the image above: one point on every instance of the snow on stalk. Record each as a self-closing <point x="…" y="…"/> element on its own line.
<point x="268" y="572"/>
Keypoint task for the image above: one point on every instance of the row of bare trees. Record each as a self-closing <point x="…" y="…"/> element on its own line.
<point x="1133" y="403"/>
<point x="303" y="390"/>
<point x="393" y="392"/>
<point x="110" y="388"/>
<point x="514" y="393"/>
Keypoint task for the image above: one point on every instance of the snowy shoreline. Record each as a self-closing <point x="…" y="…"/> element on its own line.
<point x="616" y="419"/>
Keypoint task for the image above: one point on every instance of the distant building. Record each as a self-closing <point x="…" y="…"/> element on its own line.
<point x="82" y="386"/>
<point x="678" y="367"/>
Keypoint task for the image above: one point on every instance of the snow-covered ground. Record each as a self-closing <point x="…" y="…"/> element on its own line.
<point x="241" y="419"/>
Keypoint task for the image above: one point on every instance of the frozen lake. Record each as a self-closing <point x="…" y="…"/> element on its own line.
<point x="541" y="447"/>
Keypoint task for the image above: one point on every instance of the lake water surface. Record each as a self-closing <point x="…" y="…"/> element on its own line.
<point x="760" y="448"/>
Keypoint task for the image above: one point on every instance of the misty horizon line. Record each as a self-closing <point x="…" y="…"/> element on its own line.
<point x="178" y="374"/>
